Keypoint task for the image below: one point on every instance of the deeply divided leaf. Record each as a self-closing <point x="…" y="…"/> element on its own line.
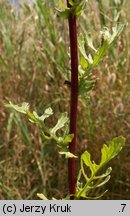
<point x="90" y="58"/>
<point x="47" y="113"/>
<point x="111" y="150"/>
<point x="23" y="108"/>
<point x="60" y="124"/>
<point x="96" y="178"/>
<point x="49" y="133"/>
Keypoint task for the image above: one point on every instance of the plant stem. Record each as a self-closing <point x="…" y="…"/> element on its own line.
<point x="74" y="100"/>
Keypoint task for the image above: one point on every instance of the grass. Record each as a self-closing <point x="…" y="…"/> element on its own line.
<point x="34" y="64"/>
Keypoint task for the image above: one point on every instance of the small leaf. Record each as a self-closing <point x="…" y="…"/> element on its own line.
<point x="32" y="118"/>
<point x="108" y="41"/>
<point x="68" y="154"/>
<point x="64" y="139"/>
<point x="81" y="43"/>
<point x="68" y="138"/>
<point x="108" y="171"/>
<point x="104" y="182"/>
<point x="60" y="124"/>
<point x="47" y="113"/>
<point x="83" y="63"/>
<point x="71" y="2"/>
<point x="110" y="151"/>
<point x="61" y="4"/>
<point x="23" y="108"/>
<point x="100" y="53"/>
<point x="64" y="14"/>
<point x="86" y="158"/>
<point x="42" y="196"/>
<point x="116" y="31"/>
<point x="80" y="7"/>
<point x="101" y="183"/>
<point x="45" y="135"/>
<point x="53" y="198"/>
<point x="90" y="43"/>
<point x="76" y="8"/>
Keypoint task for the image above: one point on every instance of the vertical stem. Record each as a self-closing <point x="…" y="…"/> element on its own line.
<point x="74" y="100"/>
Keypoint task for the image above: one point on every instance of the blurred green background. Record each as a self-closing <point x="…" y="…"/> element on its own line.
<point x="34" y="63"/>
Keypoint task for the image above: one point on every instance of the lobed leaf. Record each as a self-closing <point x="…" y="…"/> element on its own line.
<point x="47" y="113"/>
<point x="89" y="60"/>
<point x="90" y="42"/>
<point x="23" y="108"/>
<point x="81" y="43"/>
<point x="48" y="133"/>
<point x="108" y="40"/>
<point x="60" y="124"/>
<point x="108" y="152"/>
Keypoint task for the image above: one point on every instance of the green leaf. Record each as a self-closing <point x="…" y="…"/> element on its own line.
<point x="47" y="113"/>
<point x="68" y="138"/>
<point x="108" y="171"/>
<point x="71" y="2"/>
<point x="94" y="180"/>
<point x="79" y="8"/>
<point x="64" y="139"/>
<point x="64" y="14"/>
<point x="32" y="117"/>
<point x="90" y="42"/>
<point x="68" y="154"/>
<point x="103" y="182"/>
<point x="42" y="196"/>
<point x="83" y="63"/>
<point x="116" y="31"/>
<point x="100" y="53"/>
<point x="86" y="158"/>
<point x="61" y="4"/>
<point x="45" y="132"/>
<point x="89" y="60"/>
<point x="76" y="8"/>
<point x="60" y="124"/>
<point x="108" y="40"/>
<point x="81" y="43"/>
<point x="23" y="108"/>
<point x="110" y="151"/>
<point x="46" y="136"/>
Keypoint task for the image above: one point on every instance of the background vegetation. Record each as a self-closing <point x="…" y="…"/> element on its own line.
<point x="34" y="63"/>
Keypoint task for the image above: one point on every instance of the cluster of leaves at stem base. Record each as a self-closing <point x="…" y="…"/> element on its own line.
<point x="46" y="132"/>
<point x="88" y="61"/>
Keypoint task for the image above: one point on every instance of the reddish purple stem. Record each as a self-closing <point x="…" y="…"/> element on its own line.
<point x="74" y="101"/>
